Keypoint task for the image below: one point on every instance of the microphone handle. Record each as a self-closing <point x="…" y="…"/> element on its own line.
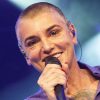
<point x="59" y="92"/>
<point x="59" y="89"/>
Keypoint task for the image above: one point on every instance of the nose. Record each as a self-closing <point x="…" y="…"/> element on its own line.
<point x="47" y="47"/>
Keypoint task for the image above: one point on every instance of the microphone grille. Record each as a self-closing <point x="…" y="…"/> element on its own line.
<point x="52" y="60"/>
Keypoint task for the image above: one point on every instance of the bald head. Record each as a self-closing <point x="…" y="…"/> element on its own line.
<point x="40" y="7"/>
<point x="34" y="10"/>
<point x="41" y="27"/>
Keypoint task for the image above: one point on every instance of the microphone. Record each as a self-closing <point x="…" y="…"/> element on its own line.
<point x="59" y="89"/>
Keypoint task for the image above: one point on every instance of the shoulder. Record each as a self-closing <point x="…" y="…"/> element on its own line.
<point x="95" y="70"/>
<point x="40" y="95"/>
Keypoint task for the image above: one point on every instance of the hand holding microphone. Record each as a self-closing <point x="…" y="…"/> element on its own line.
<point x="53" y="79"/>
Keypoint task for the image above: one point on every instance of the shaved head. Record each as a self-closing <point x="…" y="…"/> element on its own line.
<point x="40" y="7"/>
<point x="36" y="9"/>
<point x="41" y="27"/>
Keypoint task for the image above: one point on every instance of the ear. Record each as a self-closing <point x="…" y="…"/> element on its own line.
<point x="72" y="31"/>
<point x="23" y="52"/>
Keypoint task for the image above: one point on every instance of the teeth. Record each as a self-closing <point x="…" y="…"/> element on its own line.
<point x="57" y="55"/>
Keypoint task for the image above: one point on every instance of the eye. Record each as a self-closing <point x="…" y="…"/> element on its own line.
<point x="31" y="42"/>
<point x="53" y="32"/>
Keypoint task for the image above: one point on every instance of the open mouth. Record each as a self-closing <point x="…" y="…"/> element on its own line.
<point x="57" y="55"/>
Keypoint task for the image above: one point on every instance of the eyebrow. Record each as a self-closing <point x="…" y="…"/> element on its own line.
<point x="29" y="38"/>
<point x="51" y="27"/>
<point x="33" y="37"/>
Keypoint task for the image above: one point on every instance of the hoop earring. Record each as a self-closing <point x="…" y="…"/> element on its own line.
<point x="79" y="54"/>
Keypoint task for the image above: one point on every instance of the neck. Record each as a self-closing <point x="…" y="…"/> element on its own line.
<point x="79" y="79"/>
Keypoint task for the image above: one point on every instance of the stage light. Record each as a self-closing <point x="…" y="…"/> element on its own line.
<point x="22" y="4"/>
<point x="91" y="51"/>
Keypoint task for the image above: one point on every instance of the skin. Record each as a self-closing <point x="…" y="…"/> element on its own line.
<point x="50" y="34"/>
<point x="38" y="26"/>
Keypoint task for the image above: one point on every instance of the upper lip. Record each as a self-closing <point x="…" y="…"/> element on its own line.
<point x="51" y="55"/>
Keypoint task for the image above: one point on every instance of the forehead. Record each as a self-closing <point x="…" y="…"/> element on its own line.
<point x="38" y="23"/>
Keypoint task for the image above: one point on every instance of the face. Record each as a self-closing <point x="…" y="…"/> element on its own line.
<point x="44" y="35"/>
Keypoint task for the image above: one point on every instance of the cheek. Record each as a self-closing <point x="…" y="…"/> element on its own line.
<point x="34" y="58"/>
<point x="63" y="43"/>
<point x="33" y="55"/>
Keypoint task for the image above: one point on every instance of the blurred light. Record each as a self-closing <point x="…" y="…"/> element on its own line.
<point x="22" y="4"/>
<point x="98" y="27"/>
<point x="91" y="51"/>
